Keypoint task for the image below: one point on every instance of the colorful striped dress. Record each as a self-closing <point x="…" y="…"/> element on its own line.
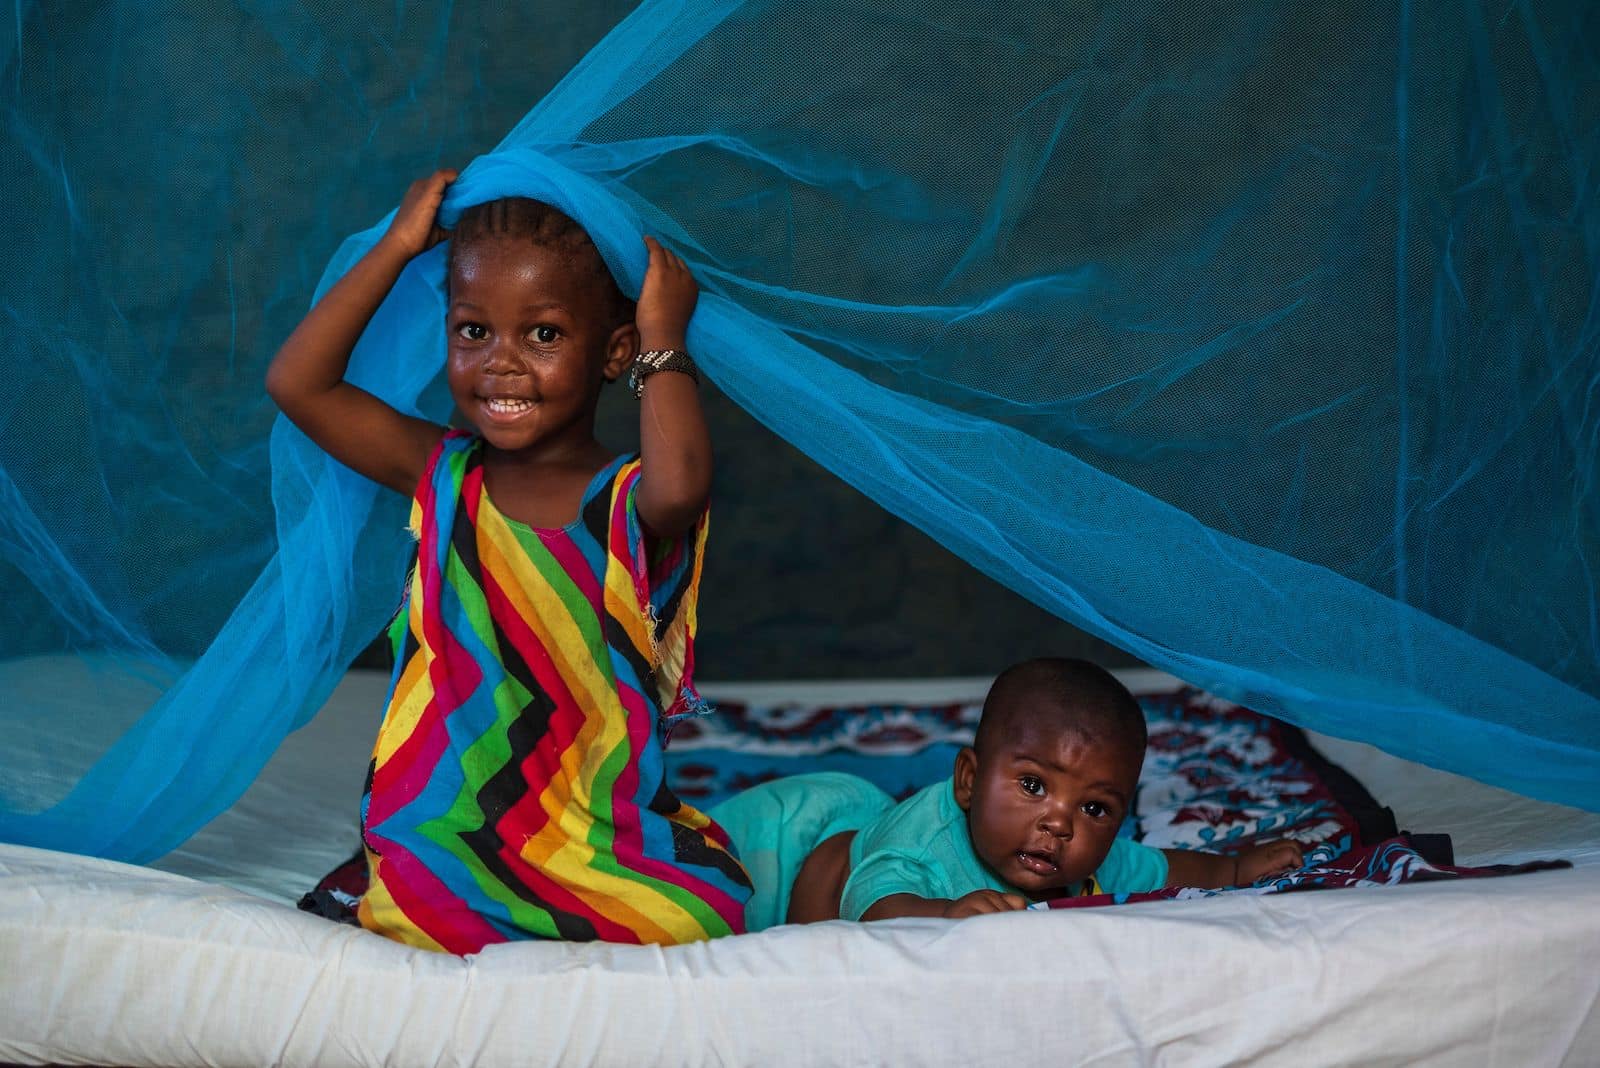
<point x="517" y="787"/>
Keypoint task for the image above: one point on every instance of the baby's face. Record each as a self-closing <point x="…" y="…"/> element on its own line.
<point x="1043" y="811"/>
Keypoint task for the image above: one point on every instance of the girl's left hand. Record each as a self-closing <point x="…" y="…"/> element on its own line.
<point x="666" y="300"/>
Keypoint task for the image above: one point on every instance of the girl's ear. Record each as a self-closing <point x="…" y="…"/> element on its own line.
<point x="966" y="773"/>
<point x="622" y="347"/>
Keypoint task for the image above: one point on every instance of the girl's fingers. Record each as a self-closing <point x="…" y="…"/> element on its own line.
<point x="665" y="254"/>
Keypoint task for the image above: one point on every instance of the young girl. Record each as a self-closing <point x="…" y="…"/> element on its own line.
<point x="516" y="788"/>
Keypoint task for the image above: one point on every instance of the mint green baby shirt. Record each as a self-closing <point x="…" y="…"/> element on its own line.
<point x="921" y="847"/>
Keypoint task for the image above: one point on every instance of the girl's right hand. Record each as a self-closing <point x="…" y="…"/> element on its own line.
<point x="416" y="228"/>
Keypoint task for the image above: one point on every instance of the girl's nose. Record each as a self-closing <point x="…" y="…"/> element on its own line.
<point x="501" y="357"/>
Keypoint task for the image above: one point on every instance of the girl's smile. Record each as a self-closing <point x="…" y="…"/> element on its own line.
<point x="507" y="408"/>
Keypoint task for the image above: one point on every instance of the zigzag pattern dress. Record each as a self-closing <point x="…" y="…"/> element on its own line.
<point x="517" y="786"/>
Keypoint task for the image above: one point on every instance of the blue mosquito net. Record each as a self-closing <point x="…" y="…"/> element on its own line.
<point x="1261" y="342"/>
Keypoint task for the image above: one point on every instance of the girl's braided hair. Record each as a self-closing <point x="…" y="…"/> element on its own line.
<point x="545" y="226"/>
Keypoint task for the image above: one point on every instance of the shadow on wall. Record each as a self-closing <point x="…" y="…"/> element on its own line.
<point x="807" y="578"/>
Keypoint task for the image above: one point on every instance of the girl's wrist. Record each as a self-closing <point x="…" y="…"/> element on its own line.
<point x="653" y="342"/>
<point x="392" y="247"/>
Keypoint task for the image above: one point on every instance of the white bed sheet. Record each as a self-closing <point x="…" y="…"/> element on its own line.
<point x="207" y="962"/>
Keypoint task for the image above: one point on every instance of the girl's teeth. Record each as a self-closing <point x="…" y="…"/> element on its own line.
<point x="506" y="407"/>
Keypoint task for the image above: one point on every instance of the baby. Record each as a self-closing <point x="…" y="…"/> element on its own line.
<point x="1031" y="812"/>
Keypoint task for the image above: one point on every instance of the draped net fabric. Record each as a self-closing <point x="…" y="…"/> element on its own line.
<point x="1265" y="345"/>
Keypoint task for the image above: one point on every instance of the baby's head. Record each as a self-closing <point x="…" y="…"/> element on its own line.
<point x="536" y="322"/>
<point x="1051" y="773"/>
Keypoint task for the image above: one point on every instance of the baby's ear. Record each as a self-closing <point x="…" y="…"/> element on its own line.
<point x="964" y="776"/>
<point x="621" y="348"/>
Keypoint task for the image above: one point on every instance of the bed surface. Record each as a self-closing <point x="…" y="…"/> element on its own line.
<point x="201" y="959"/>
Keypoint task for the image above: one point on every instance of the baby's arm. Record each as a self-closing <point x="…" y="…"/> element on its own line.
<point x="1186" y="868"/>
<point x="674" y="448"/>
<point x="976" y="903"/>
<point x="306" y="378"/>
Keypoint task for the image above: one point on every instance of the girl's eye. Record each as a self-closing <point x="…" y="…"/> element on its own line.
<point x="544" y="335"/>
<point x="1095" y="809"/>
<point x="472" y="331"/>
<point x="1031" y="784"/>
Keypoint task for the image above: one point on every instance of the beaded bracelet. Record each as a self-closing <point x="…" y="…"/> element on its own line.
<point x="648" y="363"/>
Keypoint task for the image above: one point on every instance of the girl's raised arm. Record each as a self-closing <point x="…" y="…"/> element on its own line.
<point x="674" y="447"/>
<point x="306" y="378"/>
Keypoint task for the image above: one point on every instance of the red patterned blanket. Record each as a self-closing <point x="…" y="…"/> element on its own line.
<point x="1219" y="777"/>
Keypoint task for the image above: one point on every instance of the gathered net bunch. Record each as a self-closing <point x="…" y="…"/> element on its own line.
<point x="1263" y="345"/>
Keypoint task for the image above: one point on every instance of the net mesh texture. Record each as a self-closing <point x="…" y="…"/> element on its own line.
<point x="1263" y="344"/>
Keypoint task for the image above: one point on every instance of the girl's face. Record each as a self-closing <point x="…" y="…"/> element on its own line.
<point x="530" y="344"/>
<point x="1043" y="810"/>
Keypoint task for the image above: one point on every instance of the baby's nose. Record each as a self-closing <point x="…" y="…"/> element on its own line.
<point x="1057" y="821"/>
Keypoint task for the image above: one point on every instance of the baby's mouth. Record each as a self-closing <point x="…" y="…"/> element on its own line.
<point x="1037" y="862"/>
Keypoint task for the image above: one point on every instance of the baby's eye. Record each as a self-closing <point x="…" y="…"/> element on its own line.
<point x="1095" y="810"/>
<point x="1031" y="784"/>
<point x="544" y="334"/>
<point x="472" y="331"/>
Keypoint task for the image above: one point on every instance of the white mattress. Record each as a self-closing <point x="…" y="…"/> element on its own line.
<point x="206" y="961"/>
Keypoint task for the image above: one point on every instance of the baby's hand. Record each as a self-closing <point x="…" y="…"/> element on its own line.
<point x="1268" y="858"/>
<point x="665" y="301"/>
<point x="416" y="228"/>
<point x="982" y="901"/>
